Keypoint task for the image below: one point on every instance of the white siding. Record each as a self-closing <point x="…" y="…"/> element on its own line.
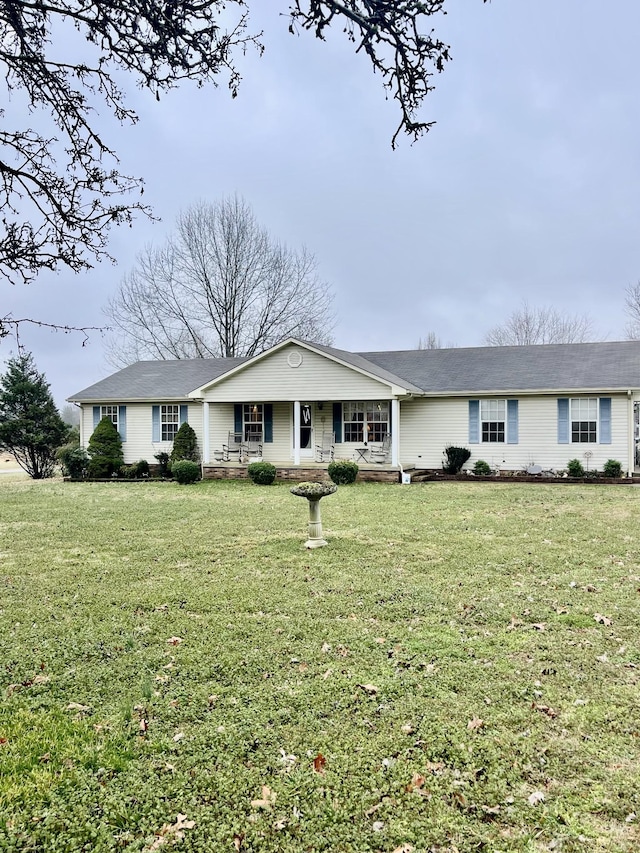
<point x="428" y="426"/>
<point x="317" y="378"/>
<point x="139" y="444"/>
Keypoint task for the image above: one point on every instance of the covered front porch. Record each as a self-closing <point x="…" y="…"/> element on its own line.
<point x="298" y="434"/>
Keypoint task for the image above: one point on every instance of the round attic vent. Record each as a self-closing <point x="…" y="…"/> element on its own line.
<point x="294" y="359"/>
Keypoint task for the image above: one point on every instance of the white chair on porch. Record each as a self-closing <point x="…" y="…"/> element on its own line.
<point x="325" y="450"/>
<point x="233" y="447"/>
<point x="381" y="452"/>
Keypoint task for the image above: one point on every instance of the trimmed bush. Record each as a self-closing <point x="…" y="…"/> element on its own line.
<point x="163" y="464"/>
<point x="574" y="468"/>
<point x="343" y="471"/>
<point x="73" y="460"/>
<point x="142" y="468"/>
<point x="185" y="445"/>
<point x="481" y="468"/>
<point x="612" y="468"/>
<point x="262" y="473"/>
<point x="454" y="459"/>
<point x="185" y="472"/>
<point x="105" y="450"/>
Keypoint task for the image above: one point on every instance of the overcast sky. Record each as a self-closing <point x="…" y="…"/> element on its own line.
<point x="528" y="186"/>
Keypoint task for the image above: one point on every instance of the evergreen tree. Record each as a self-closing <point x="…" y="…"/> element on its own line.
<point x="30" y="425"/>
<point x="185" y="445"/>
<point x="105" y="450"/>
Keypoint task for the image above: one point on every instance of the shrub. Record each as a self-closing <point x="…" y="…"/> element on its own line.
<point x="185" y="472"/>
<point x="343" y="471"/>
<point x="163" y="463"/>
<point x="454" y="459"/>
<point x="129" y="472"/>
<point x="612" y="468"/>
<point x="481" y="468"/>
<point x="73" y="460"/>
<point x="142" y="468"/>
<point x="262" y="473"/>
<point x="574" y="468"/>
<point x="185" y="445"/>
<point x="105" y="450"/>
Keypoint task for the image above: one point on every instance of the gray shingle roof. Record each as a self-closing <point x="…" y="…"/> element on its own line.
<point x="157" y="380"/>
<point x="603" y="366"/>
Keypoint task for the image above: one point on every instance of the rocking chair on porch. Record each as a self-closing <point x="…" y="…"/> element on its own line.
<point x="324" y="451"/>
<point x="233" y="447"/>
<point x="380" y="452"/>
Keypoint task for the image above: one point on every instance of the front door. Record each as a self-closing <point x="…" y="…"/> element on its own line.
<point x="306" y="431"/>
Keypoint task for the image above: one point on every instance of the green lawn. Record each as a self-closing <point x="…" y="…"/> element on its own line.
<point x="457" y="671"/>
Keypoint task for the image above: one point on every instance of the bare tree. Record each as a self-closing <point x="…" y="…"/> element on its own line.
<point x="543" y="325"/>
<point x="430" y="341"/>
<point x="220" y="286"/>
<point x="60" y="185"/>
<point x="632" y="309"/>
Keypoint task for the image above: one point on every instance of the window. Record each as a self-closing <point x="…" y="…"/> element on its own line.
<point x="365" y="421"/>
<point x="492" y="418"/>
<point x="584" y="420"/>
<point x="169" y="422"/>
<point x="253" y="421"/>
<point x="110" y="412"/>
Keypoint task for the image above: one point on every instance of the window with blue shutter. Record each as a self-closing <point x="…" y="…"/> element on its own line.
<point x="96" y="416"/>
<point x="184" y="414"/>
<point x="122" y="422"/>
<point x="268" y="422"/>
<point x="155" y="423"/>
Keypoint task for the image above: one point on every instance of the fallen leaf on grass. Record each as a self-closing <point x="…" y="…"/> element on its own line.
<point x="174" y="641"/>
<point x="237" y="842"/>
<point x="172" y="831"/>
<point x="178" y="737"/>
<point x="475" y="723"/>
<point x="370" y="689"/>
<point x="3" y="740"/>
<point x="545" y="709"/>
<point x="81" y="709"/>
<point x="267" y="800"/>
<point x="378" y="825"/>
<point x="319" y="763"/>
<point x="405" y="848"/>
<point x="602" y="620"/>
<point x="415" y="786"/>
<point x="535" y="798"/>
<point x="539" y="626"/>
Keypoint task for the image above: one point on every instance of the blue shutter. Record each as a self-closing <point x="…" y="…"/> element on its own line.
<point x="122" y="422"/>
<point x="563" y="420"/>
<point x="268" y="422"/>
<point x="184" y="414"/>
<point x="155" y="423"/>
<point x="512" y="421"/>
<point x="237" y="417"/>
<point x="474" y="421"/>
<point x="604" y="433"/>
<point x="96" y="416"/>
<point x="337" y="422"/>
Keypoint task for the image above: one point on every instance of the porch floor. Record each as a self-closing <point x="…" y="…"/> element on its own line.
<point x="307" y="470"/>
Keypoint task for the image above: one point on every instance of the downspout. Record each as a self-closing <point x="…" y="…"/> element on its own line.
<point x="631" y="442"/>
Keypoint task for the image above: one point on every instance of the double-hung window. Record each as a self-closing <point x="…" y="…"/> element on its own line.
<point x="169" y="422"/>
<point x="584" y="420"/>
<point x="365" y="421"/>
<point x="253" y="421"/>
<point x="492" y="418"/>
<point x="110" y="412"/>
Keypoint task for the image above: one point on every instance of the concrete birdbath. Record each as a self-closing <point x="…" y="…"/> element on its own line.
<point x="313" y="492"/>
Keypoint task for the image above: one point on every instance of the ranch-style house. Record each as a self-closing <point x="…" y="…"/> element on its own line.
<point x="300" y="404"/>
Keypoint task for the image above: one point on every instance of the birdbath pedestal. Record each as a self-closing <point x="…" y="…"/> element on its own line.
<point x="313" y="492"/>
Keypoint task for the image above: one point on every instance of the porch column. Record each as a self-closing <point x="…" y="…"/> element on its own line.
<point x="206" y="451"/>
<point x="395" y="432"/>
<point x="296" y="432"/>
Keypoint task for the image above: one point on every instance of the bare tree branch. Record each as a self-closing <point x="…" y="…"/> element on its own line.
<point x="220" y="286"/>
<point x="544" y="325"/>
<point x="632" y="309"/>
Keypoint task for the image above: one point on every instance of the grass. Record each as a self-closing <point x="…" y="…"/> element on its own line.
<point x="457" y="671"/>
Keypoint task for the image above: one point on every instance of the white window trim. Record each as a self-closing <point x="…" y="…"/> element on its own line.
<point x="114" y="416"/>
<point x="502" y="420"/>
<point x="165" y="422"/>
